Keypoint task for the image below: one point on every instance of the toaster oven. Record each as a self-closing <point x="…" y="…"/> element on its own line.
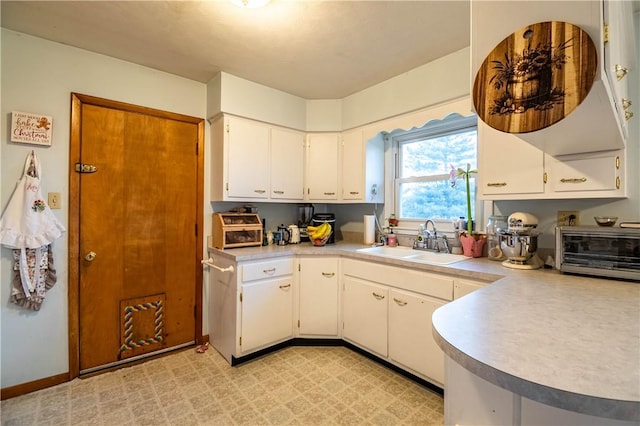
<point x="600" y="251"/>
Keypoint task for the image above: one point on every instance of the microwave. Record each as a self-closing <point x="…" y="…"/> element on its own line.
<point x="600" y="251"/>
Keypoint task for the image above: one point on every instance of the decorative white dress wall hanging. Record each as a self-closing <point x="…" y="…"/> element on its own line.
<point x="29" y="227"/>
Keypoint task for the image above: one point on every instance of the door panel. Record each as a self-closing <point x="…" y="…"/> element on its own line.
<point x="139" y="213"/>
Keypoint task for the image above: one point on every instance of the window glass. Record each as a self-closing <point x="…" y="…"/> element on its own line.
<point x="425" y="158"/>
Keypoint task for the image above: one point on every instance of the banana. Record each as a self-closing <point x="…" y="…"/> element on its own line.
<point x="319" y="232"/>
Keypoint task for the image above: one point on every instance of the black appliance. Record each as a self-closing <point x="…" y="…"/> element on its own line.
<point x="305" y="215"/>
<point x="319" y="218"/>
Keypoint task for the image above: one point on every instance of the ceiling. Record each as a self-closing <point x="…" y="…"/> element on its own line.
<point x="312" y="49"/>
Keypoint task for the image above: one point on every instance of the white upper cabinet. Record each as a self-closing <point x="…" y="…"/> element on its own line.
<point x="594" y="125"/>
<point x="254" y="161"/>
<point x="322" y="166"/>
<point x="507" y="165"/>
<point x="287" y="164"/>
<point x="511" y="169"/>
<point x="247" y="169"/>
<point x="362" y="167"/>
<point x="593" y="175"/>
<point x="619" y="56"/>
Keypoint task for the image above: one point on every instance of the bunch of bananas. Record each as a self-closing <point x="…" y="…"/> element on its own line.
<point x="319" y="232"/>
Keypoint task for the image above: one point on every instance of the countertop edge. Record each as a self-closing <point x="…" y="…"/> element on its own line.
<point x="580" y="403"/>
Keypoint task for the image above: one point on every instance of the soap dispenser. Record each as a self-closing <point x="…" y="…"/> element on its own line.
<point x="391" y="239"/>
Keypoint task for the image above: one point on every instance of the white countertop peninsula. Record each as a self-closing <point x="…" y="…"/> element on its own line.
<point x="565" y="341"/>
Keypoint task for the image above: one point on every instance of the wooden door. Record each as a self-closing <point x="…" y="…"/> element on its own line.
<point x="135" y="250"/>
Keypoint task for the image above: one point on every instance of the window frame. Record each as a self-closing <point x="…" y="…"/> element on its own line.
<point x="452" y="124"/>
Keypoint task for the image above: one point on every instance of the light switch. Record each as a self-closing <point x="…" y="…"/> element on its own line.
<point x="54" y="200"/>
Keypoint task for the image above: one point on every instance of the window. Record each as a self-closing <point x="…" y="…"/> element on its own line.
<point x="424" y="158"/>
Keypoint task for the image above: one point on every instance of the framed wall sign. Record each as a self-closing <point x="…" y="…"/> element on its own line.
<point x="31" y="128"/>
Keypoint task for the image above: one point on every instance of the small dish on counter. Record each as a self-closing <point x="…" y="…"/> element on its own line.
<point x="605" y="220"/>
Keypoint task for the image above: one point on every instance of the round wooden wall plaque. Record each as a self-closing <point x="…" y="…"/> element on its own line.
<point x="535" y="77"/>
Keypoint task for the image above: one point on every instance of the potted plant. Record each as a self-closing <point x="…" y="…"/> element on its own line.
<point x="472" y="244"/>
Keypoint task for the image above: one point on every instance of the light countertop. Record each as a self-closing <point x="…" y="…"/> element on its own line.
<point x="567" y="341"/>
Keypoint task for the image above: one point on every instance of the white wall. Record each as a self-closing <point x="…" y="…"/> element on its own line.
<point x="253" y="100"/>
<point x="434" y="83"/>
<point x="38" y="76"/>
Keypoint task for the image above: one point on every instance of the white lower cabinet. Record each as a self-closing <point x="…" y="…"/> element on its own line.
<point x="410" y="333"/>
<point x="319" y="306"/>
<point x="388" y="310"/>
<point x="267" y="312"/>
<point x="251" y="306"/>
<point x="365" y="310"/>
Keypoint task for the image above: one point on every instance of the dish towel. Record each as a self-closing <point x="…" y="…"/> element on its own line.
<point x="29" y="227"/>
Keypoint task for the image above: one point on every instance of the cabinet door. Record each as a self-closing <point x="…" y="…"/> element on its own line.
<point x="352" y="166"/>
<point x="594" y="173"/>
<point x="619" y="56"/>
<point x="507" y="165"/>
<point x="464" y="287"/>
<point x="319" y="297"/>
<point x="322" y="167"/>
<point x="411" y="341"/>
<point x="287" y="165"/>
<point x="365" y="314"/>
<point x="267" y="312"/>
<point x="247" y="163"/>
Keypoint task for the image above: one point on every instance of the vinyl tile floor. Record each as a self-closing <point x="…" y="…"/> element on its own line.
<point x="293" y="386"/>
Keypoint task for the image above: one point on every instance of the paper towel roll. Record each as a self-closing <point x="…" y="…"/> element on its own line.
<point x="369" y="229"/>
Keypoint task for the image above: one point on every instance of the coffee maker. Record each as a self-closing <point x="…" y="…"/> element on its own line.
<point x="330" y="218"/>
<point x="305" y="216"/>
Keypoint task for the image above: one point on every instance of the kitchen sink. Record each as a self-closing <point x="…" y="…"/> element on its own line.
<point x="388" y="251"/>
<point x="407" y="253"/>
<point x="436" y="258"/>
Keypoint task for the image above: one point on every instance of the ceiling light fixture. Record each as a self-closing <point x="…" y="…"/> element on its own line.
<point x="250" y="4"/>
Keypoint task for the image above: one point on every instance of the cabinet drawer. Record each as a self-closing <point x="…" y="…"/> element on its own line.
<point x="440" y="286"/>
<point x="267" y="269"/>
<point x="588" y="174"/>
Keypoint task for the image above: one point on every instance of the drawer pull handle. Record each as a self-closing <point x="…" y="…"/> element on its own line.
<point x="378" y="296"/>
<point x="282" y="287"/>
<point x="329" y="193"/>
<point x="399" y="302"/>
<point x="328" y="274"/>
<point x="278" y="192"/>
<point x="259" y="191"/>
<point x="573" y="180"/>
<point x="269" y="271"/>
<point x="354" y="192"/>
<point x="621" y="72"/>
<point x="497" y="184"/>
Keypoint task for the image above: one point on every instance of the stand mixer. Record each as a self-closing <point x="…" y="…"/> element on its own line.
<point x="519" y="242"/>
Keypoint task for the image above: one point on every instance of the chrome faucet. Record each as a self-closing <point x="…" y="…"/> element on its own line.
<point x="434" y="233"/>
<point x="431" y="241"/>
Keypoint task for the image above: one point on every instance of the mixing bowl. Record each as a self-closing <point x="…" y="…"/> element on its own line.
<point x="605" y="220"/>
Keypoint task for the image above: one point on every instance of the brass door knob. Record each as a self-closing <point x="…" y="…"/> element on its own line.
<point x="90" y="256"/>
